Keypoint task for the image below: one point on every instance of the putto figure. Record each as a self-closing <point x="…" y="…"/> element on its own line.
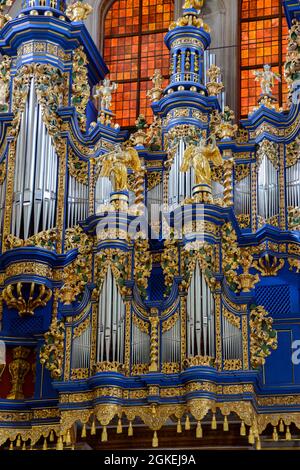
<point x="104" y="92"/>
<point x="116" y="163"/>
<point x="199" y="158"/>
<point x="267" y="79"/>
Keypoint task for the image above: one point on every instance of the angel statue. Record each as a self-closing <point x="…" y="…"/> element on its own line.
<point x="104" y="92"/>
<point x="266" y="79"/>
<point x="199" y="158"/>
<point x="116" y="163"/>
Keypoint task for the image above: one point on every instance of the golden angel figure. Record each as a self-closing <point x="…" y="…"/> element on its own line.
<point x="267" y="79"/>
<point x="199" y="158"/>
<point x="116" y="163"/>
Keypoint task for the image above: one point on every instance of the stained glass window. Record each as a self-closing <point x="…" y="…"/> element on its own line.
<point x="134" y="46"/>
<point x="264" y="34"/>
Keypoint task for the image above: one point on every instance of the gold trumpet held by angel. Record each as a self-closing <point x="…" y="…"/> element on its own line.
<point x="115" y="165"/>
<point x="199" y="157"/>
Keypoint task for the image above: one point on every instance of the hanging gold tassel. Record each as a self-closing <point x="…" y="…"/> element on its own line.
<point x="130" y="429"/>
<point x="45" y="447"/>
<point x="104" y="434"/>
<point x="119" y="427"/>
<point x="51" y="437"/>
<point x="179" y="428"/>
<point x="24" y="446"/>
<point x="18" y="443"/>
<point x="288" y="435"/>
<point x="93" y="428"/>
<point x="155" y="440"/>
<point x="199" y="432"/>
<point x="187" y="423"/>
<point x="59" y="444"/>
<point x="214" y="421"/>
<point x="225" y="424"/>
<point x="281" y="426"/>
<point x="83" y="430"/>
<point x="243" y="429"/>
<point x="11" y="445"/>
<point x="251" y="436"/>
<point x="258" y="444"/>
<point x="275" y="435"/>
<point x="68" y="437"/>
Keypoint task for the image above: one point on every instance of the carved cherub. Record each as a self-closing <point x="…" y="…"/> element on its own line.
<point x="104" y="92"/>
<point x="267" y="79"/>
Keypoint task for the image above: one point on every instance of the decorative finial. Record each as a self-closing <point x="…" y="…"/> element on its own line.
<point x="195" y="4"/>
<point x="78" y="11"/>
<point x="215" y="85"/>
<point x="267" y="79"/>
<point x="155" y="93"/>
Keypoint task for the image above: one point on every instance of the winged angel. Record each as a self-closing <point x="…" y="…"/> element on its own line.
<point x="199" y="158"/>
<point x="116" y="163"/>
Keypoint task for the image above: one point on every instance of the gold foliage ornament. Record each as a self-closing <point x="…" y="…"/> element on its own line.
<point x="142" y="265"/>
<point x="206" y="259"/>
<point x="77" y="274"/>
<point x="262" y="336"/>
<point x="78" y="11"/>
<point x="15" y="297"/>
<point x="52" y="352"/>
<point x="292" y="64"/>
<point x="4" y="18"/>
<point x="80" y="85"/>
<point x="5" y="66"/>
<point x="169" y="263"/>
<point x="18" y="369"/>
<point x="118" y="261"/>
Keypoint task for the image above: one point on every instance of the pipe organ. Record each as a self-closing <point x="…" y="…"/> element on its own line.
<point x="293" y="185"/>
<point x="180" y="184"/>
<point x="268" y="197"/>
<point x="171" y="340"/>
<point x="111" y="322"/>
<point x="35" y="182"/>
<point x="77" y="201"/>
<point x="114" y="317"/>
<point x="242" y="196"/>
<point x="200" y="317"/>
<point x="81" y="349"/>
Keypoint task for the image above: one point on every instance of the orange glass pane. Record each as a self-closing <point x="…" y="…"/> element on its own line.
<point x="264" y="35"/>
<point x="133" y="48"/>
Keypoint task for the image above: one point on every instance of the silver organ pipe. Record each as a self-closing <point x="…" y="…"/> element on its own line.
<point x="232" y="340"/>
<point x="268" y="195"/>
<point x="131" y="198"/>
<point x="111" y="322"/>
<point x="217" y="190"/>
<point x="81" y="350"/>
<point x="242" y="196"/>
<point x="180" y="184"/>
<point x="154" y="202"/>
<point x="78" y="201"/>
<point x="34" y="200"/>
<point x="140" y="346"/>
<point x="171" y="341"/>
<point x="293" y="185"/>
<point x="102" y="193"/>
<point x="200" y="317"/>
